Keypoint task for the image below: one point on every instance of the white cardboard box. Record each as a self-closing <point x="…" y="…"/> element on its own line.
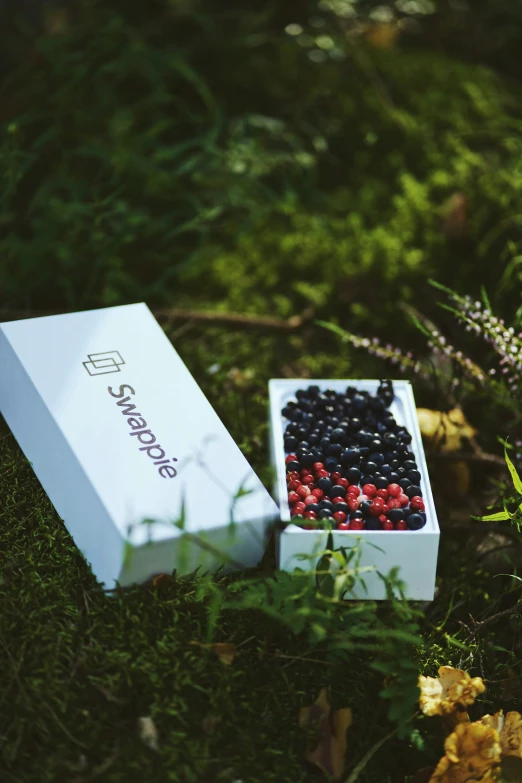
<point x="118" y="432"/>
<point x="415" y="552"/>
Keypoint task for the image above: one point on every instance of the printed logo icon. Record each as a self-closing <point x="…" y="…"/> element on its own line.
<point x="103" y="363"/>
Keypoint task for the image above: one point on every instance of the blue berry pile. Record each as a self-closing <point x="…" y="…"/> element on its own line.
<point x="348" y="463"/>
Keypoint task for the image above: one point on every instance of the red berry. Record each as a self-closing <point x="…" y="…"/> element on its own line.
<point x="310" y="499"/>
<point x="387" y="525"/>
<point x="377" y="507"/>
<point x="362" y="498"/>
<point x="353" y="503"/>
<point x="293" y="497"/>
<point x="403" y="500"/>
<point x="322" y="473"/>
<point x="343" y="482"/>
<point x="370" y="490"/>
<point x="382" y="519"/>
<point x="394" y="503"/>
<point x="382" y="493"/>
<point x="310" y="515"/>
<point x="385" y="508"/>
<point x="343" y="526"/>
<point x="308" y="479"/>
<point x="338" y="499"/>
<point x="335" y="476"/>
<point x="353" y="489"/>
<point x="292" y="475"/>
<point x="304" y="471"/>
<point x="401" y="525"/>
<point x="293" y="485"/>
<point x="339" y="516"/>
<point x="308" y="527"/>
<point x="318" y="466"/>
<point x="318" y="493"/>
<point x="417" y="503"/>
<point x="291" y="458"/>
<point x="356" y="524"/>
<point x="394" y="490"/>
<point x="299" y="509"/>
<point x="303" y="491"/>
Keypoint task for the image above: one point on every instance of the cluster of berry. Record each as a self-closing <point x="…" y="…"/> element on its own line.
<point x="348" y="462"/>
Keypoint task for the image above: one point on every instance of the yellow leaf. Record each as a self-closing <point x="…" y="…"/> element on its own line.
<point x="445" y="431"/>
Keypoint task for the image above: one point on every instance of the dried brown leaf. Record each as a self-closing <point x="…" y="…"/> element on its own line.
<point x="472" y="752"/>
<point x="328" y="752"/>
<point x="226" y="651"/>
<point x="162" y="580"/>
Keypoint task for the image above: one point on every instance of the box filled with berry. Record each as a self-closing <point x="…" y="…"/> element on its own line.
<point x="349" y="461"/>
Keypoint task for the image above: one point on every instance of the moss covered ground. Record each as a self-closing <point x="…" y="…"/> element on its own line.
<point x="201" y="160"/>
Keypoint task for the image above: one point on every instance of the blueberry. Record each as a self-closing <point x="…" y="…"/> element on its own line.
<point x="376" y="404"/>
<point x="338" y="435"/>
<point x="414" y="476"/>
<point x="359" y="403"/>
<point x="291" y="428"/>
<point x="290" y="443"/>
<point x="385" y="469"/>
<point x="324" y="483"/>
<point x="307" y="460"/>
<point x="375" y="444"/>
<point x="334" y="449"/>
<point x="342" y="507"/>
<point x="381" y="482"/>
<point x="325" y="442"/>
<point x="287" y="412"/>
<point x="390" y="439"/>
<point x="369" y="479"/>
<point x="350" y="456"/>
<point x="325" y="514"/>
<point x="355" y="424"/>
<point x="394" y="477"/>
<point x="304" y="448"/>
<point x="292" y="465"/>
<point x="372" y="523"/>
<point x="365" y="438"/>
<point x="395" y="514"/>
<point x="297" y="415"/>
<point x="356" y="515"/>
<point x="313" y="391"/>
<point x="410" y="464"/>
<point x="350" y="391"/>
<point x="371" y="467"/>
<point x="393" y="463"/>
<point x="376" y="457"/>
<point x="314" y="438"/>
<point x="353" y="475"/>
<point x="364" y="451"/>
<point x="404" y="483"/>
<point x="401" y="473"/>
<point x="365" y="507"/>
<point x="325" y="503"/>
<point x="318" y="454"/>
<point x="337" y="491"/>
<point x="413" y="491"/>
<point x="330" y="463"/>
<point x="415" y="522"/>
<point x="404" y="436"/>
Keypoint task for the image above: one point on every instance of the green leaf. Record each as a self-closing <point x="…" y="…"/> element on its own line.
<point x="500" y="516"/>
<point x="517" y="482"/>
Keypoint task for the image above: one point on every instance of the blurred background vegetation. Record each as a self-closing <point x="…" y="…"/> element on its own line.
<point x="312" y="160"/>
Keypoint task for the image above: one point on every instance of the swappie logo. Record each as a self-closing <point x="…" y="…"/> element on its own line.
<point x="103" y="363"/>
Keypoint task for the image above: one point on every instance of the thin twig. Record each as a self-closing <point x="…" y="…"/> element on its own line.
<point x="211" y="316"/>
<point x="353" y="776"/>
<point x="517" y="609"/>
<point x="466" y="456"/>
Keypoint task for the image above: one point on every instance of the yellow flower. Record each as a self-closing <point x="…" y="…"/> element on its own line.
<point x="472" y="753"/>
<point x="453" y="691"/>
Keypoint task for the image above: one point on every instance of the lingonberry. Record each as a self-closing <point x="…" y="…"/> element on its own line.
<point x="417" y="503"/>
<point x="356" y="524"/>
<point x="339" y="516"/>
<point x="299" y="509"/>
<point x="401" y="525"/>
<point x="394" y="503"/>
<point x="343" y="526"/>
<point x="387" y="525"/>
<point x="322" y="473"/>
<point x="310" y="515"/>
<point x="309" y="499"/>
<point x="291" y="458"/>
<point x="403" y="500"/>
<point x="382" y="518"/>
<point x="319" y="494"/>
<point x="335" y="476"/>
<point x="382" y="493"/>
<point x="318" y="466"/>
<point x="303" y="491"/>
<point x="293" y="497"/>
<point x="353" y="491"/>
<point x="294" y="485"/>
<point x="370" y="490"/>
<point x="394" y="490"/>
<point x="338" y="499"/>
<point x="353" y="503"/>
<point x="343" y="482"/>
<point x="376" y="507"/>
